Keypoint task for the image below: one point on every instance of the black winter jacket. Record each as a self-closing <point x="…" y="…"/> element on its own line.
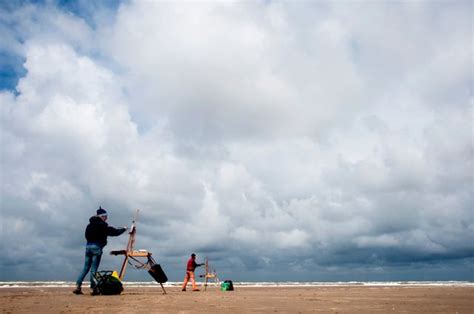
<point x="97" y="231"/>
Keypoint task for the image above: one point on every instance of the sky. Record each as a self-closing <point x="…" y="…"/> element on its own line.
<point x="284" y="141"/>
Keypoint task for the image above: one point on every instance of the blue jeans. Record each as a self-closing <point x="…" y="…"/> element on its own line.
<point x="92" y="261"/>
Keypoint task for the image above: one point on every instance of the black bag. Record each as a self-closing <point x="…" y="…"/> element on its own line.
<point x="108" y="284"/>
<point x="157" y="273"/>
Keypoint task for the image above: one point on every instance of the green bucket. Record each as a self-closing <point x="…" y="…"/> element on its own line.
<point x="227" y="286"/>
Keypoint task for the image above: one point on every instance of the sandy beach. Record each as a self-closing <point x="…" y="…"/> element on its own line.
<point x="365" y="299"/>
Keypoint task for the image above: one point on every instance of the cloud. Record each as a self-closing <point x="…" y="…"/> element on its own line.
<point x="261" y="81"/>
<point x="333" y="141"/>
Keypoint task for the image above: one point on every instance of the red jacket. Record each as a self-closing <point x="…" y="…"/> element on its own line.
<point x="191" y="266"/>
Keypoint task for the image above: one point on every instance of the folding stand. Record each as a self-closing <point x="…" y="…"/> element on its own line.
<point x="131" y="255"/>
<point x="209" y="275"/>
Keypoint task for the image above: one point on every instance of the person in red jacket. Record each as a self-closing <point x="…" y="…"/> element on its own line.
<point x="190" y="267"/>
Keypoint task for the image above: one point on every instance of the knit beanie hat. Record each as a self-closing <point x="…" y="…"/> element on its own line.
<point x="101" y="212"/>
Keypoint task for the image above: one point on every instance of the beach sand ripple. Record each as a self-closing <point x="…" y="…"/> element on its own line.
<point x="408" y="299"/>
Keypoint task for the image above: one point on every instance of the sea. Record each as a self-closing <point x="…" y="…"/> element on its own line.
<point x="263" y="284"/>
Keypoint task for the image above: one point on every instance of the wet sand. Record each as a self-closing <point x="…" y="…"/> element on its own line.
<point x="363" y="299"/>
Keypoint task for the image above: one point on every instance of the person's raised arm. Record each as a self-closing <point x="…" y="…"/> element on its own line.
<point x="113" y="232"/>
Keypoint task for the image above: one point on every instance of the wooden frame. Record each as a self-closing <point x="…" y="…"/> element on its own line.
<point x="130" y="254"/>
<point x="209" y="274"/>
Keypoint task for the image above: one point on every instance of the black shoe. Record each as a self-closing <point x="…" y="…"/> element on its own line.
<point x="77" y="291"/>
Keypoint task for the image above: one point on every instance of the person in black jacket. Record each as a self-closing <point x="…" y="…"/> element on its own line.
<point x="96" y="236"/>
